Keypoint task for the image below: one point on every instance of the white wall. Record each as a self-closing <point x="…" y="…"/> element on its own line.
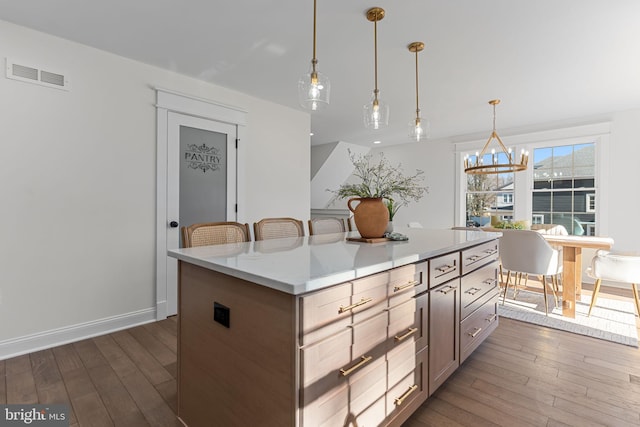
<point x="336" y="167"/>
<point x="436" y="159"/>
<point x="77" y="184"/>
<point x="624" y="180"/>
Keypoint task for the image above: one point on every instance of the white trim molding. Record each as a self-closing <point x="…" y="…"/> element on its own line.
<point x="55" y="337"/>
<point x="167" y="102"/>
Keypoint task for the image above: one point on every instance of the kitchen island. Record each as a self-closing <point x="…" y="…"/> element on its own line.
<point x="319" y="330"/>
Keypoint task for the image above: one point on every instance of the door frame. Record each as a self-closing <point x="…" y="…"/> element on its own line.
<point x="171" y="101"/>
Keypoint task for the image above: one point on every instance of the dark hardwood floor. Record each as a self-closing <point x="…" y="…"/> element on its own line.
<point x="522" y="375"/>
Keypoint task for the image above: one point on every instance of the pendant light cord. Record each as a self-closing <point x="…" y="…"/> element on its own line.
<point x="417" y="102"/>
<point x="375" y="55"/>
<point x="494" y="118"/>
<point x="314" y="60"/>
<point x="314" y="32"/>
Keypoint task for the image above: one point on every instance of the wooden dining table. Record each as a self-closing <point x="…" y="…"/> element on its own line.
<point x="572" y="265"/>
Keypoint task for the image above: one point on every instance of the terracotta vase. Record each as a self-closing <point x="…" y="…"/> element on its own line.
<point x="370" y="215"/>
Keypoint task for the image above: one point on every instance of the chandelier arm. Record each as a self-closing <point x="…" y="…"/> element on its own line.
<point x="504" y="149"/>
<point x="484" y="149"/>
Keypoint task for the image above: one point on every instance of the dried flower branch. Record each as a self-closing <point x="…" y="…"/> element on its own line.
<point x="381" y="179"/>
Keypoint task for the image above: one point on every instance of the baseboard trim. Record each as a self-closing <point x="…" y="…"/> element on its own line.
<point x="54" y="337"/>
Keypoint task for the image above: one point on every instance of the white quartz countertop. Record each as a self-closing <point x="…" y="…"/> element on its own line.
<point x="304" y="264"/>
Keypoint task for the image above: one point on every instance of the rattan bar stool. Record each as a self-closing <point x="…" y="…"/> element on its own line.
<point x="276" y="228"/>
<point x="214" y="233"/>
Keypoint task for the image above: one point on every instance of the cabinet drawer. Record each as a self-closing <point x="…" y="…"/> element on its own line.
<point x="408" y="321"/>
<point x="335" y="378"/>
<point x="443" y="268"/>
<point x="406" y="281"/>
<point x="320" y="362"/>
<point x="367" y="396"/>
<point x="475" y="328"/>
<point x="370" y="336"/>
<point x="408" y="380"/>
<point x="360" y="399"/>
<point x="320" y="313"/>
<point x="369" y="292"/>
<point x="477" y="256"/>
<point x="333" y="361"/>
<point x="475" y="285"/>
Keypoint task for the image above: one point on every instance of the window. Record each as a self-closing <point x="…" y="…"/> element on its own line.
<point x="591" y="202"/>
<point x="537" y="219"/>
<point x="562" y="184"/>
<point x="564" y="187"/>
<point x="489" y="195"/>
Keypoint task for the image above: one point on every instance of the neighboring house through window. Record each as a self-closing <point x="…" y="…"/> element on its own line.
<point x="563" y="177"/>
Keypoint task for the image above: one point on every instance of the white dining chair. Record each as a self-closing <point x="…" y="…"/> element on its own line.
<point x="527" y="252"/>
<point x="616" y="267"/>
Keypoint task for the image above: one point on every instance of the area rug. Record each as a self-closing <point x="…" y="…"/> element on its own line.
<point x="611" y="320"/>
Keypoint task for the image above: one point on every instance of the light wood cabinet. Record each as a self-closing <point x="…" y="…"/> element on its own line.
<point x="463" y="307"/>
<point x="365" y="352"/>
<point x="362" y="360"/>
<point x="444" y="326"/>
<point x="479" y="306"/>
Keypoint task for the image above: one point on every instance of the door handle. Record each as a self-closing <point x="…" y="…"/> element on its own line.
<point x="173" y="224"/>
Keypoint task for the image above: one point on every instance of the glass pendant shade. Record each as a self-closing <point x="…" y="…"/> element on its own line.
<point x="418" y="129"/>
<point x="313" y="90"/>
<point x="314" y="87"/>
<point x="376" y="113"/>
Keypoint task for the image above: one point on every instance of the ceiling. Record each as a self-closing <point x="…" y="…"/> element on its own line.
<point x="550" y="62"/>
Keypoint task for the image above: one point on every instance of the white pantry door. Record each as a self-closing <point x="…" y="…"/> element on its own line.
<point x="198" y="183"/>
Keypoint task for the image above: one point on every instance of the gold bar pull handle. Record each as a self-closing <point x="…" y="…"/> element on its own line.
<point x="491" y="318"/>
<point x="491" y="251"/>
<point x="448" y="289"/>
<point x="446" y="269"/>
<point x="473" y="258"/>
<point x="363" y="361"/>
<point x="490" y="282"/>
<point x="362" y="301"/>
<point x="405" y="286"/>
<point x="474" y="333"/>
<point x="398" y="400"/>
<point x="473" y="291"/>
<point x="409" y="332"/>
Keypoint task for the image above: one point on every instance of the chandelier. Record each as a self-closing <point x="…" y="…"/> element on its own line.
<point x="498" y="163"/>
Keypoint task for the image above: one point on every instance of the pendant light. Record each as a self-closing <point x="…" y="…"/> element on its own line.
<point x="376" y="112"/>
<point x="314" y="87"/>
<point x="498" y="163"/>
<point x="416" y="130"/>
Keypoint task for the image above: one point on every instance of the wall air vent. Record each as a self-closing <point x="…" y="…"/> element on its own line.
<point x="31" y="74"/>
